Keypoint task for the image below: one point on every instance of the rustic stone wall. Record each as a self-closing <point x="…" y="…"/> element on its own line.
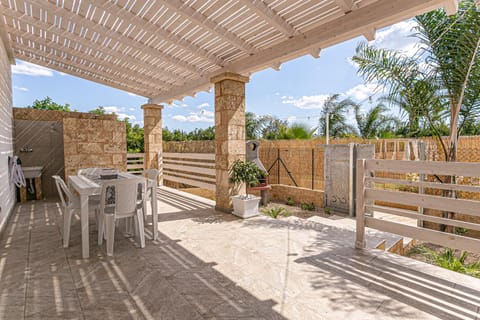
<point x="89" y="140"/>
<point x="94" y="143"/>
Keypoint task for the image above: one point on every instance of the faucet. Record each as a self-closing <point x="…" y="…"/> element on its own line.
<point x="26" y="149"/>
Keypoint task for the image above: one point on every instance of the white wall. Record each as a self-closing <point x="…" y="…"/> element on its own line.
<point x="7" y="191"/>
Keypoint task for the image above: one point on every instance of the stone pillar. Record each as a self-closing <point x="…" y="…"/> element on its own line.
<point x="229" y="133"/>
<point x="152" y="126"/>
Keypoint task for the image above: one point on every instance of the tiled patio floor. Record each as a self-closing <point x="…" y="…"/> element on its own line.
<point x="209" y="265"/>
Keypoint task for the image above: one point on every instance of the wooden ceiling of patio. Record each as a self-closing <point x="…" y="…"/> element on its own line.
<point x="165" y="50"/>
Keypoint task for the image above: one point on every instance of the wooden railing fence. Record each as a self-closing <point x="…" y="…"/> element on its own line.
<point x="135" y="162"/>
<point x="372" y="189"/>
<point x="194" y="169"/>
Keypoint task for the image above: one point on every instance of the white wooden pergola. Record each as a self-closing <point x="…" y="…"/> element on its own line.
<point x="167" y="49"/>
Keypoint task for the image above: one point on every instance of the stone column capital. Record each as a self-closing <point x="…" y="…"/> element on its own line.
<point x="229" y="76"/>
<point x="152" y="106"/>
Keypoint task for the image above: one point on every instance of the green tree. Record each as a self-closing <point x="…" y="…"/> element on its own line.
<point x="253" y="126"/>
<point x="336" y="110"/>
<point x="271" y="127"/>
<point x="99" y="110"/>
<point x="442" y="83"/>
<point x="374" y="123"/>
<point x="453" y="56"/>
<point x="296" y="131"/>
<point x="49" y="104"/>
<point x="135" y="134"/>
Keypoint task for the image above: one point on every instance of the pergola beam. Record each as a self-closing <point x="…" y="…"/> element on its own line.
<point x="346" y="5"/>
<point x="451" y="7"/>
<point x="159" y="32"/>
<point x="106" y="32"/>
<point x="61" y="31"/>
<point x="53" y="50"/>
<point x="376" y="15"/>
<point x="267" y="14"/>
<point x="203" y="21"/>
<point x="85" y="67"/>
<point x="53" y="64"/>
<point x="4" y="37"/>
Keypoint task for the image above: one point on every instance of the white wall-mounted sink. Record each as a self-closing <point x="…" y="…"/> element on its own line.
<point x="32" y="172"/>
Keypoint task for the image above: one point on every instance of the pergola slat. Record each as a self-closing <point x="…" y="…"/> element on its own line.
<point x="170" y="49"/>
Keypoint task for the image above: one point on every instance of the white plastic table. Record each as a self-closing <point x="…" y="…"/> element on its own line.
<point x="87" y="187"/>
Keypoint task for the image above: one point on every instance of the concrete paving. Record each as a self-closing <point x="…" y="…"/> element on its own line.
<point x="210" y="265"/>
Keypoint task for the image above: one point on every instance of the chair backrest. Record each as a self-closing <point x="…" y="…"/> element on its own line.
<point x="63" y="191"/>
<point x="121" y="195"/>
<point x="87" y="171"/>
<point x="151" y="174"/>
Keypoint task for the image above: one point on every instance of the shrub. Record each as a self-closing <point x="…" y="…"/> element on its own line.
<point x="276" y="212"/>
<point x="290" y="202"/>
<point x="448" y="260"/>
<point x="307" y="206"/>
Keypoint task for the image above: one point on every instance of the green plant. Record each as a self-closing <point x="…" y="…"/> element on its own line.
<point x="276" y="212"/>
<point x="461" y="231"/>
<point x="290" y="202"/>
<point x="448" y="260"/>
<point x="245" y="172"/>
<point x="327" y="210"/>
<point x="307" y="206"/>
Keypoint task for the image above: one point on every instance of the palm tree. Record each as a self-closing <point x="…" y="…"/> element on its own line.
<point x="453" y="53"/>
<point x="336" y="110"/>
<point x="296" y="131"/>
<point x="444" y="85"/>
<point x="374" y="123"/>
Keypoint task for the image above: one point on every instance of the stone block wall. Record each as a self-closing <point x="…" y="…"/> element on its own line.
<point x="94" y="143"/>
<point x="88" y="140"/>
<point x="7" y="189"/>
<point x="282" y="192"/>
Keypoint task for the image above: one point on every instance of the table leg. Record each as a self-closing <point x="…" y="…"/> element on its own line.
<point x="84" y="221"/>
<point x="154" y="212"/>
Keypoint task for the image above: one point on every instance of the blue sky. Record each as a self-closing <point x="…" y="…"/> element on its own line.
<point x="294" y="93"/>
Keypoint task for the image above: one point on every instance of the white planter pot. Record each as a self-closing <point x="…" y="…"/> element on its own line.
<point x="245" y="207"/>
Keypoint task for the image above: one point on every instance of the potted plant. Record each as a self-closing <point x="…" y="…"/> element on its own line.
<point x="246" y="205"/>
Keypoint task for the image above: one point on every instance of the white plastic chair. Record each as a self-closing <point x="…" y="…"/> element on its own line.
<point x="118" y="200"/>
<point x="152" y="180"/>
<point x="70" y="204"/>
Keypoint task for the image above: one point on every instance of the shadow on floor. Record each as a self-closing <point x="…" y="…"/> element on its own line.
<point x="39" y="279"/>
<point x="375" y="277"/>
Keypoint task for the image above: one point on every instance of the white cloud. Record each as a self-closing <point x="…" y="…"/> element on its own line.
<point x="131" y="109"/>
<point x="31" y="69"/>
<point x="291" y="119"/>
<point x="132" y="94"/>
<point x="114" y="109"/>
<point x="120" y="112"/>
<point x="122" y="116"/>
<point x="203" y="105"/>
<point x="306" y="102"/>
<point x="177" y="104"/>
<point x="361" y="92"/>
<point x="398" y="37"/>
<point x="201" y="116"/>
<point x="62" y="73"/>
<point x="20" y="88"/>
